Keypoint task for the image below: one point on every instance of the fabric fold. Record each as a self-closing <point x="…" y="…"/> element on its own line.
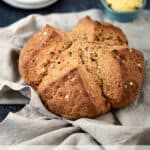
<point x="35" y="125"/>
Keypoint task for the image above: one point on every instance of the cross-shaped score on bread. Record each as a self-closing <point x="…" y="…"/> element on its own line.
<point x="85" y="72"/>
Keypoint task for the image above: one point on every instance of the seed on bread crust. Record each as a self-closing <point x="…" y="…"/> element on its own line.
<point x="139" y="65"/>
<point x="45" y="33"/>
<point x="130" y="50"/>
<point x="131" y="83"/>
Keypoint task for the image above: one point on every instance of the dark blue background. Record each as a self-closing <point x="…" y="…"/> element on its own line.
<point x="9" y="15"/>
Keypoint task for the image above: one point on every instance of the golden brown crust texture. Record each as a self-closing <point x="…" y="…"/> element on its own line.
<point x="85" y="72"/>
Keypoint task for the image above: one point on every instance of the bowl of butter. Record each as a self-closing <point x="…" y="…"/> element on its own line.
<point x="123" y="10"/>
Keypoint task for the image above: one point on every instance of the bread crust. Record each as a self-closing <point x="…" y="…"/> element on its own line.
<point x="82" y="73"/>
<point x="80" y="98"/>
<point x="105" y="34"/>
<point x="39" y="51"/>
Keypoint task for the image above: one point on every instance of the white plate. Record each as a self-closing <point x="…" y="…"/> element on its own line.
<point x="30" y="4"/>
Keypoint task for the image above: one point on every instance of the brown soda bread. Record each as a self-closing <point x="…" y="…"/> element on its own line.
<point x="82" y="73"/>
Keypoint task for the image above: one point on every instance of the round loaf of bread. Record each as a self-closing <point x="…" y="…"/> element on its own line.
<point x="82" y="73"/>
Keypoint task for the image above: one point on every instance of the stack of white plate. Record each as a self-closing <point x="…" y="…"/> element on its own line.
<point x="30" y="4"/>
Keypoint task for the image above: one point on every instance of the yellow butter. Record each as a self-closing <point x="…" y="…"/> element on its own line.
<point x="124" y="5"/>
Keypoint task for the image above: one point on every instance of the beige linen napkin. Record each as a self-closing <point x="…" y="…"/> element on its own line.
<point x="34" y="125"/>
